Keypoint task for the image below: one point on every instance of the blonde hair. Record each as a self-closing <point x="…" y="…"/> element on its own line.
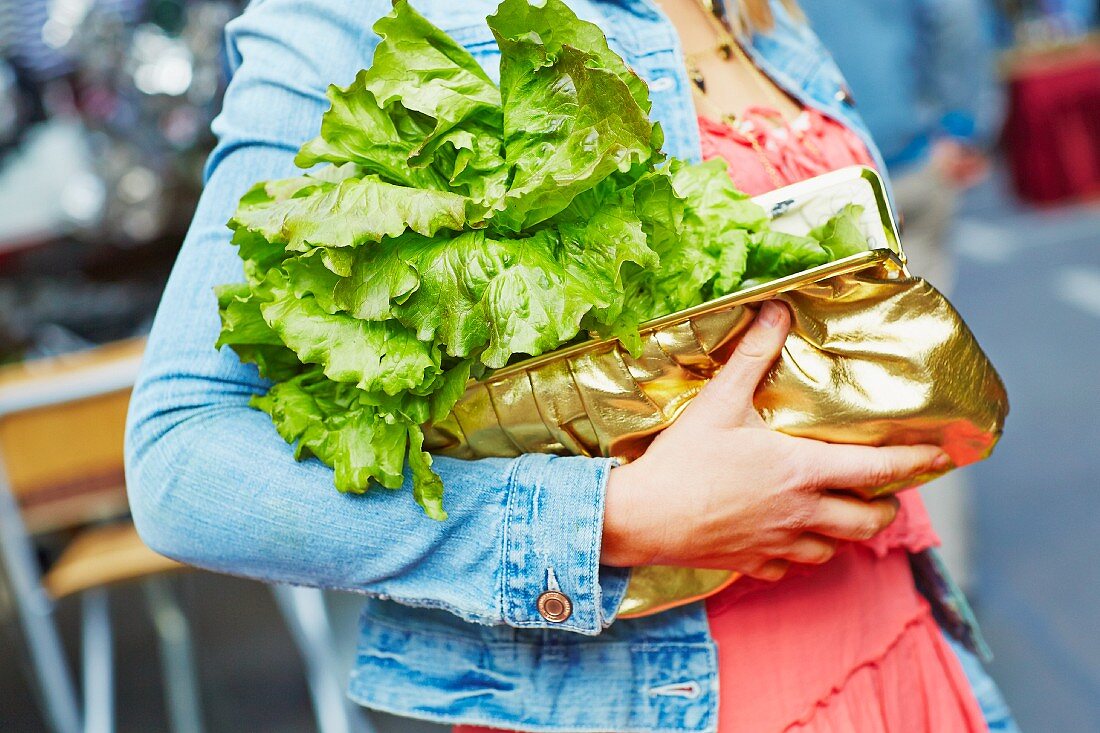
<point x="746" y="16"/>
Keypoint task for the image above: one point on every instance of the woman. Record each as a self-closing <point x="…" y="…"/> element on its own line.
<point x="460" y="630"/>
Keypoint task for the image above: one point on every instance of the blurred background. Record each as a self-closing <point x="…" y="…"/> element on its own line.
<point x="105" y="108"/>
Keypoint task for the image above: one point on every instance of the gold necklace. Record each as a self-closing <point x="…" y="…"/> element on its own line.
<point x="726" y="48"/>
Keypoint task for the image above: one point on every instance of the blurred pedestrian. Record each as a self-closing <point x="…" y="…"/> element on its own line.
<point x="922" y="75"/>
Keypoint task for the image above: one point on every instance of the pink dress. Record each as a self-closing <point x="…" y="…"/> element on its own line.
<point x="849" y="646"/>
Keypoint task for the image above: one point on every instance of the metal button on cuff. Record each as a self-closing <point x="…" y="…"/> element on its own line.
<point x="554" y="606"/>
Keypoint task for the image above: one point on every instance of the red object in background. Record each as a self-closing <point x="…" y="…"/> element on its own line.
<point x="1052" y="133"/>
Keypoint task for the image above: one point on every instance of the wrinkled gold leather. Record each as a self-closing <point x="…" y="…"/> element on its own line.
<point x="874" y="357"/>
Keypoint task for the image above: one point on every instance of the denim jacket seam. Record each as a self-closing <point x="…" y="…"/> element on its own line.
<point x="632" y="646"/>
<point x="473" y="37"/>
<point x="799" y="74"/>
<point x="506" y="605"/>
<point x="381" y="704"/>
<point x="465" y="614"/>
<point x="420" y="632"/>
<point x="659" y="646"/>
<point x="595" y="542"/>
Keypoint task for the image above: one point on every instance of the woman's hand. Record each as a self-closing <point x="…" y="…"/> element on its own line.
<point x="719" y="489"/>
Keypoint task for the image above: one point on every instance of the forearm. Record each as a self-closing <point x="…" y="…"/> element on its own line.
<point x="220" y="490"/>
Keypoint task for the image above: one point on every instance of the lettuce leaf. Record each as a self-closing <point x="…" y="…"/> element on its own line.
<point x="352" y="212"/>
<point x="570" y="121"/>
<point x="840" y="236"/>
<point x="447" y="226"/>
<point x="424" y="115"/>
<point x="375" y="356"/>
<point x="333" y="422"/>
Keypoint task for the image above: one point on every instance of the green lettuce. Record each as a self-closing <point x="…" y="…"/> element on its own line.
<point x="445" y="226"/>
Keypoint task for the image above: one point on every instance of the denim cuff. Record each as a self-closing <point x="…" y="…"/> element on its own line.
<point x="553" y="535"/>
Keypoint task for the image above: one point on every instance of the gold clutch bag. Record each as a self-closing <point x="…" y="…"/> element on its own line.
<point x="874" y="357"/>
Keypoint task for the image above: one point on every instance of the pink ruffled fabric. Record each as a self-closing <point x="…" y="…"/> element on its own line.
<point x="848" y="646"/>
<point x="764" y="152"/>
<point x="878" y="697"/>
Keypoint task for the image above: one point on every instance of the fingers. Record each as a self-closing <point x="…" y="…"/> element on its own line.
<point x="836" y="466"/>
<point x="735" y="383"/>
<point x="808" y="549"/>
<point x="811" y="549"/>
<point x="772" y="570"/>
<point x="849" y="518"/>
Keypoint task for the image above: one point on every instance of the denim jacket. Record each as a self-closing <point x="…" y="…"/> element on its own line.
<point x="451" y="631"/>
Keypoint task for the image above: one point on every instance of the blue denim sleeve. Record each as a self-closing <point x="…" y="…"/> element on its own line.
<point x="212" y="484"/>
<point x="959" y="74"/>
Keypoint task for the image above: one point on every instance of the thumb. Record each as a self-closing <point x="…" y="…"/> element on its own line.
<point x="732" y="388"/>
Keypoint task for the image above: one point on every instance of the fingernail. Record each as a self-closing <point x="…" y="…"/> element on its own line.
<point x="769" y="314"/>
<point x="942" y="461"/>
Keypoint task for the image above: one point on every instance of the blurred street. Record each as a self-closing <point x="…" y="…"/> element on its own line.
<point x="1029" y="286"/>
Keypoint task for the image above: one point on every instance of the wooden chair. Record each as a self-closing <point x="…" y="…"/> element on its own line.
<point x="61" y="472"/>
<point x="62" y="423"/>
